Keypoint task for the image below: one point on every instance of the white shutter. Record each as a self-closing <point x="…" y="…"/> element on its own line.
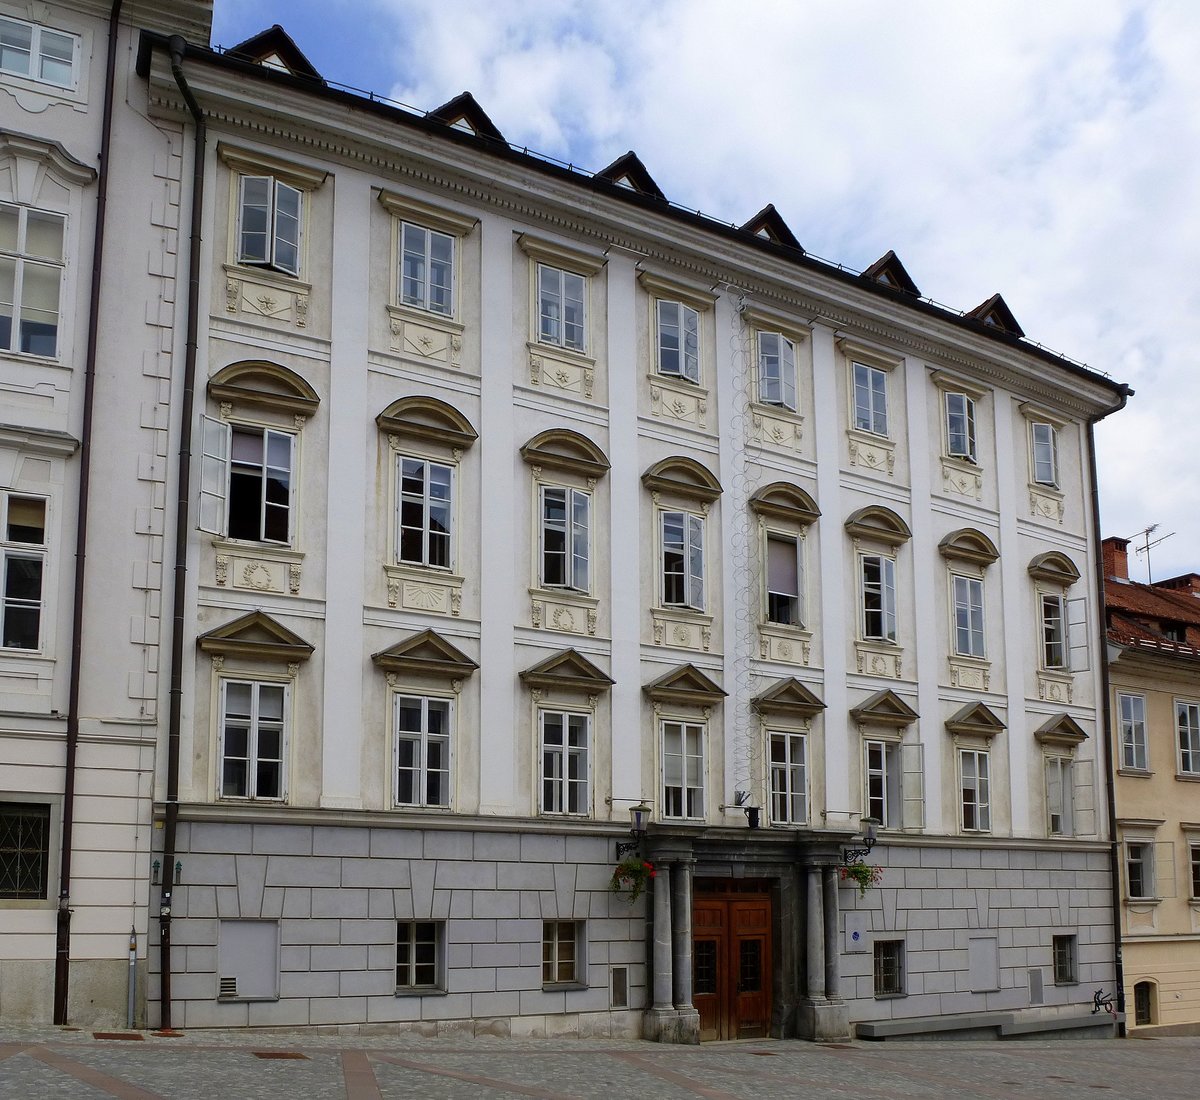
<point x="1079" y="649"/>
<point x="1083" y="797"/>
<point x="912" y="786"/>
<point x="1164" y="869"/>
<point x="214" y="475"/>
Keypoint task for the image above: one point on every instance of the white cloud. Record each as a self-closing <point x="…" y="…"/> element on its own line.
<point x="1047" y="151"/>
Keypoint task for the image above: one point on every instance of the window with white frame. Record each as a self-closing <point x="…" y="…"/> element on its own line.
<point x="38" y="53"/>
<point x="566" y="744"/>
<point x="678" y="340"/>
<point x="883" y="773"/>
<point x="420" y="951"/>
<point x="1059" y="796"/>
<point x="566" y="538"/>
<point x="246" y="482"/>
<point x="968" y="616"/>
<point x="1043" y="442"/>
<point x="562" y="952"/>
<point x="425" y="515"/>
<point x="426" y="269"/>
<point x="32" y="261"/>
<point x="1194" y="865"/>
<point x="975" y="785"/>
<point x="785" y="572"/>
<point x="877" y="592"/>
<point x="960" y="426"/>
<point x="683" y="770"/>
<point x="870" y="399"/>
<point x="682" y="535"/>
<point x="423" y="725"/>
<point x="22" y="570"/>
<point x="270" y="215"/>
<point x="789" y="777"/>
<point x="1187" y="721"/>
<point x="776" y="370"/>
<point x="253" y="739"/>
<point x="1139" y="868"/>
<point x="562" y="308"/>
<point x="24" y="851"/>
<point x="1132" y="716"/>
<point x="1052" y="608"/>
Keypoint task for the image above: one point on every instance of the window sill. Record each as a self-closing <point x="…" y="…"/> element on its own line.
<point x="569" y="355"/>
<point x="31" y="357"/>
<point x="1141" y="903"/>
<point x="431" y="991"/>
<point x="1067" y="982"/>
<point x="248" y="1000"/>
<point x="889" y="996"/>
<point x="284" y="552"/>
<point x="1188" y="777"/>
<point x="424" y="317"/>
<point x="563" y="987"/>
<point x="270" y="275"/>
<point x="401" y="807"/>
<point x="1135" y="773"/>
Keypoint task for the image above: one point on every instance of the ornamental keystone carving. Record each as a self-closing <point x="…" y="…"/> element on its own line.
<point x="222" y="569"/>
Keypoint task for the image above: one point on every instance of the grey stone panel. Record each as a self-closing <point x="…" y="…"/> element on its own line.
<point x="289" y="1013"/>
<point x="495" y="954"/>
<point x="394" y="1009"/>
<point x="519" y="978"/>
<point x="456" y="874"/>
<point x="297" y="902"/>
<point x="381" y="956"/>
<point x="497" y="903"/>
<point x="536" y="848"/>
<point x="191" y="933"/>
<point x="308" y="871"/>
<point x="310" y="983"/>
<point x="526" y="876"/>
<point x="337" y="1010"/>
<point x="310" y="931"/>
<point x="227" y="902"/>
<point x="339" y="903"/>
<point x="387" y="874"/>
<point x="502" y="1003"/>
<point x="339" y="957"/>
<point x="381" y="905"/>
<point x="219" y="837"/>
<point x="295" y="957"/>
<point x="198" y="901"/>
<point x="478" y="931"/>
<point x="482" y="980"/>
<point x="272" y="902"/>
<point x="284" y="840"/>
<point x="200" y="960"/>
<point x="462" y="904"/>
<point x="453" y="1006"/>
<point x="215" y="1014"/>
<point x="501" y="847"/>
<point x="396" y="843"/>
<point x="518" y="931"/>
<point x="211" y="869"/>
<point x="251" y="876"/>
<point x="449" y="845"/>
<point x="328" y="840"/>
<point x="541" y="1003"/>
<point x="368" y="983"/>
<point x="368" y="931"/>
<point x="421" y="890"/>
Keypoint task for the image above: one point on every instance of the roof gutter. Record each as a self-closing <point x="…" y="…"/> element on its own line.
<point x="62" y="936"/>
<point x="176" y="46"/>
<point x="1105" y="741"/>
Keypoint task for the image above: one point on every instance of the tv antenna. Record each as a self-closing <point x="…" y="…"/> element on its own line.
<point x="1149" y="543"/>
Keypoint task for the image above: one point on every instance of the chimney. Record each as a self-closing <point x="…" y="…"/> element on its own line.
<point x="1116" y="558"/>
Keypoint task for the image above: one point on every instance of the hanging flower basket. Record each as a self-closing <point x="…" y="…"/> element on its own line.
<point x="863" y="875"/>
<point x="632" y="875"/>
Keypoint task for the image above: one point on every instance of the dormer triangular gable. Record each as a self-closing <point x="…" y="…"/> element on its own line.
<point x="258" y="637"/>
<point x="768" y="223"/>
<point x="426" y="654"/>
<point x="685" y="684"/>
<point x="1061" y="730"/>
<point x="975" y="720"/>
<point x="788" y="697"/>
<point x="884" y="708"/>
<point x="568" y="669"/>
<point x="629" y="171"/>
<point x="464" y="113"/>
<point x="275" y="49"/>
<point x="995" y="314"/>
<point x="889" y="271"/>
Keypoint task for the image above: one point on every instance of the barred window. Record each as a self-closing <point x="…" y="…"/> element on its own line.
<point x="24" y="850"/>
<point x="889" y="968"/>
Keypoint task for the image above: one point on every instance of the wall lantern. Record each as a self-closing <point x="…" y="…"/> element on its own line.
<point x="639" y="816"/>
<point x="855" y="855"/>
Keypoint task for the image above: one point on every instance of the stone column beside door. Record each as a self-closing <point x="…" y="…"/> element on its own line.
<point x="822" y="1015"/>
<point x="671" y="1017"/>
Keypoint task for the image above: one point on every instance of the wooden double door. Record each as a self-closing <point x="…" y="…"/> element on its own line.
<point x="731" y="959"/>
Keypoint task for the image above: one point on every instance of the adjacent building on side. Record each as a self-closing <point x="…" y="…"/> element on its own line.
<point x="1154" y="663"/>
<point x="490" y="499"/>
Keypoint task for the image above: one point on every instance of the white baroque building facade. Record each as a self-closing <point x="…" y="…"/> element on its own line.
<point x="511" y="497"/>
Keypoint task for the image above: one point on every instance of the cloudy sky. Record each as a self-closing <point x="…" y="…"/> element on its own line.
<point x="1048" y="151"/>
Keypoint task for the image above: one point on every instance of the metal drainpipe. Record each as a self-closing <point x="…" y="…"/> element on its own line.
<point x="1114" y="861"/>
<point x="62" y="939"/>
<point x="176" y="46"/>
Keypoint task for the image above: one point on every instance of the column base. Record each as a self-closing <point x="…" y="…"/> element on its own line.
<point x="823" y="1021"/>
<point x="671" y="1025"/>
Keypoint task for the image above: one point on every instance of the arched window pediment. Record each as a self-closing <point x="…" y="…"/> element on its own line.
<point x="783" y="500"/>
<point x="429" y="419"/>
<point x="878" y="524"/>
<point x="684" y="477"/>
<point x="968" y="544"/>
<point x="1054" y="567"/>
<point x="265" y="385"/>
<point x="562" y="449"/>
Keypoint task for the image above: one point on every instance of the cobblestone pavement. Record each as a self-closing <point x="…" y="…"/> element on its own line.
<point x="295" y="1065"/>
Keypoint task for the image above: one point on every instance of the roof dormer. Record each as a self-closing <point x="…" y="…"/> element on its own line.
<point x="994" y="313"/>
<point x="769" y="225"/>
<point x="464" y="113"/>
<point x="629" y="171"/>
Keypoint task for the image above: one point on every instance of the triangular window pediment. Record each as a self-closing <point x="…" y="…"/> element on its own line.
<point x="975" y="720"/>
<point x="884" y="708"/>
<point x="562" y="449"/>
<point x="567" y="670"/>
<point x="426" y="654"/>
<point x="265" y="385"/>
<point x="788" y="697"/>
<point x="783" y="500"/>
<point x="967" y="544"/>
<point x="685" y="684"/>
<point x="256" y="636"/>
<point x="684" y="477"/>
<point x="1061" y="730"/>
<point x="429" y="419"/>
<point x="464" y="113"/>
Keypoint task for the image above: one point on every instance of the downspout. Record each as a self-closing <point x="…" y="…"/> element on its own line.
<point x="1114" y="860"/>
<point x="62" y="939"/>
<point x="177" y="45"/>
